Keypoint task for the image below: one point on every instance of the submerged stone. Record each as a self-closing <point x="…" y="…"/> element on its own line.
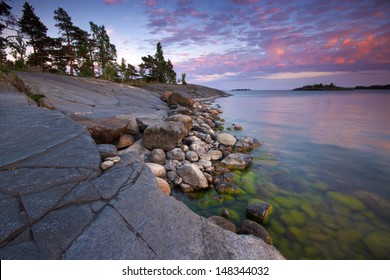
<point x="259" y="211"/>
<point x="251" y="227"/>
<point x="347" y="200"/>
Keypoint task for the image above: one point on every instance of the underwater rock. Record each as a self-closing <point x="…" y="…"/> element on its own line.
<point x="259" y="211"/>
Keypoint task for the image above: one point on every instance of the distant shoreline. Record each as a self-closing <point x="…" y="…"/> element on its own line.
<point x="321" y="87"/>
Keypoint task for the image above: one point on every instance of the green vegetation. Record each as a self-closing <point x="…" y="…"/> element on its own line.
<point x="75" y="51"/>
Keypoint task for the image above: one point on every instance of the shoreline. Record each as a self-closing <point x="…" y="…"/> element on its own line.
<point x="71" y="181"/>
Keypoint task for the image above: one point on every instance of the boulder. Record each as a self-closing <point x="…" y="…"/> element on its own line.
<point x="246" y="144"/>
<point x="215" y="154"/>
<point x="223" y="223"/>
<point x="105" y="131"/>
<point x="165" y="135"/>
<point x="259" y="211"/>
<point x="125" y="140"/>
<point x="251" y="227"/>
<point x="157" y="169"/>
<point x="176" y="154"/>
<point x="45" y="102"/>
<point x="174" y="178"/>
<point x="107" y="150"/>
<point x="177" y="99"/>
<point x="164" y="97"/>
<point x="164" y="186"/>
<point x="191" y="174"/>
<point x="226" y="139"/>
<point x="186" y="120"/>
<point x="158" y="156"/>
<point x="238" y="161"/>
<point x="132" y="127"/>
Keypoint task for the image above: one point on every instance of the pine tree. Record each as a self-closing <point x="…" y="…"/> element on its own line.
<point x="67" y="31"/>
<point x="32" y="27"/>
<point x="161" y="64"/>
<point x="18" y="49"/>
<point x="105" y="52"/>
<point x="84" y="51"/>
<point x="171" y="74"/>
<point x="6" y="20"/>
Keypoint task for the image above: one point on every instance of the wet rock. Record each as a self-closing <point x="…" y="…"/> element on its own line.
<point x="158" y="156"/>
<point x="157" y="169"/>
<point x="186" y="188"/>
<point x="251" y="227"/>
<point x="186" y="120"/>
<point x="132" y="127"/>
<point x="226" y="139"/>
<point x="176" y="154"/>
<point x="165" y="135"/>
<point x="164" y="186"/>
<point x="191" y="174"/>
<point x="223" y="223"/>
<point x="237" y="127"/>
<point x="192" y="156"/>
<point x="238" y="161"/>
<point x="125" y="140"/>
<point x="107" y="150"/>
<point x="246" y="144"/>
<point x="259" y="211"/>
<point x="113" y="159"/>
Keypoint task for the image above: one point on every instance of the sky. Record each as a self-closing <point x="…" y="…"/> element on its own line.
<point x="255" y="44"/>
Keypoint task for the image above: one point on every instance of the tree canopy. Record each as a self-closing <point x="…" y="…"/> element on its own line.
<point x="75" y="51"/>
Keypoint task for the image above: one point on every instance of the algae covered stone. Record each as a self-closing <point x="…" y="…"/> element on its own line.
<point x="259" y="211"/>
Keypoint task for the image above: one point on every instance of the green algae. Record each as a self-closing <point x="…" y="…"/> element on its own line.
<point x="349" y="236"/>
<point x="297" y="233"/>
<point x="347" y="200"/>
<point x="378" y="243"/>
<point x="306" y="207"/>
<point x="277" y="227"/>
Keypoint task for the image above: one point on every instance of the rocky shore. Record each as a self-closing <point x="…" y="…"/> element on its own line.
<point x="91" y="177"/>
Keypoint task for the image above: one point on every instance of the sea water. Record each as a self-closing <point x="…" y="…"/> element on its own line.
<point x="324" y="166"/>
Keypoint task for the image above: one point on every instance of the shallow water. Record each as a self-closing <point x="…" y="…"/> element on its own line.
<point x="324" y="166"/>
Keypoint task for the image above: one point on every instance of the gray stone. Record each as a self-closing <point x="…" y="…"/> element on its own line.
<point x="191" y="174"/>
<point x="165" y="135"/>
<point x="186" y="120"/>
<point x="176" y="154"/>
<point x="158" y="156"/>
<point x="192" y="156"/>
<point x="132" y="127"/>
<point x="11" y="220"/>
<point x="174" y="178"/>
<point x="137" y="148"/>
<point x="199" y="147"/>
<point x="237" y="161"/>
<point x="226" y="139"/>
<point x="107" y="150"/>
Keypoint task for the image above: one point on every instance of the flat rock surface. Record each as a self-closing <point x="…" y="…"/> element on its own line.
<point x="56" y="203"/>
<point x="95" y="98"/>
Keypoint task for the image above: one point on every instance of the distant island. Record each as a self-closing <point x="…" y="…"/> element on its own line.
<point x="241" y="89"/>
<point x="332" y="86"/>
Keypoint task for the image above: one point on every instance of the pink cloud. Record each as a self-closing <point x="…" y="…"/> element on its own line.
<point x="150" y="3"/>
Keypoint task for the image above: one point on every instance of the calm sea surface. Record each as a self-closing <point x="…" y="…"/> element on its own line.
<point x="324" y="166"/>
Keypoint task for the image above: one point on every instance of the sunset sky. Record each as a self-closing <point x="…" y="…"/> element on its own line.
<point x="256" y="44"/>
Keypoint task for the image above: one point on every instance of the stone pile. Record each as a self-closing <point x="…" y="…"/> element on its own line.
<point x="189" y="146"/>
